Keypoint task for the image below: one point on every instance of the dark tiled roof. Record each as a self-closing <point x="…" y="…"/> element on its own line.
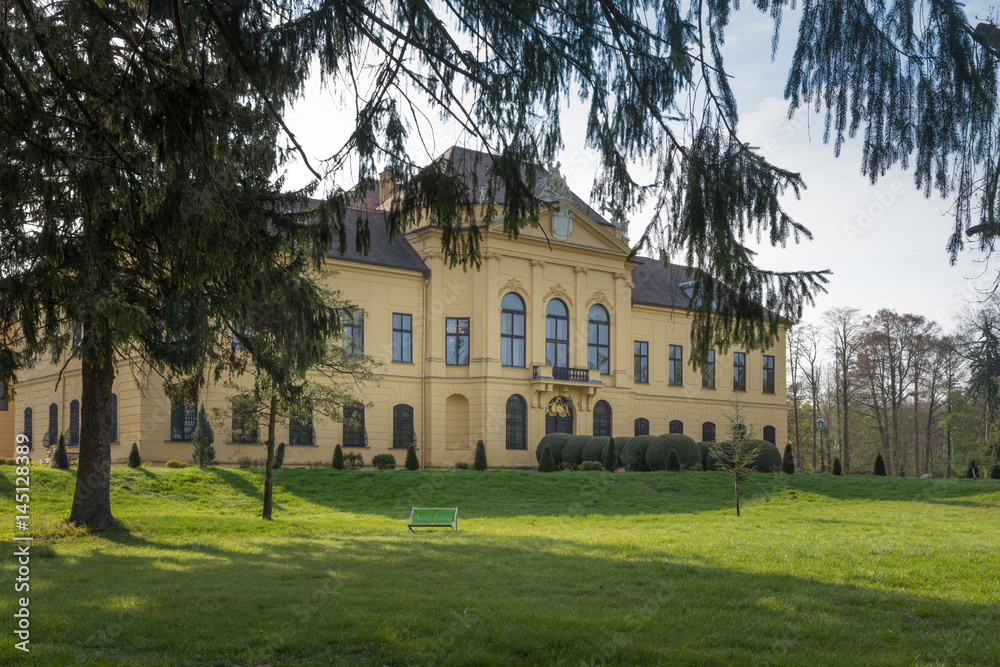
<point x="476" y="165"/>
<point x="659" y="285"/>
<point x="397" y="253"/>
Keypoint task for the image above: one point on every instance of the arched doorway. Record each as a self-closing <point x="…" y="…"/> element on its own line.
<point x="559" y="415"/>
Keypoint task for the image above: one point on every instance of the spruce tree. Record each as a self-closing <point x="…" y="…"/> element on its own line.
<point x="837" y="470"/>
<point x="60" y="459"/>
<point x="546" y="463"/>
<point x="480" y="461"/>
<point x="411" y="458"/>
<point x="134" y="460"/>
<point x="879" y="468"/>
<point x="279" y="456"/>
<point x="673" y="463"/>
<point x="787" y="461"/>
<point x="203" y="452"/>
<point x="338" y="458"/>
<point x="610" y="459"/>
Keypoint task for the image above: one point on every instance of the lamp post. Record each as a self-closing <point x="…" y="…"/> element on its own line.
<point x="821" y="423"/>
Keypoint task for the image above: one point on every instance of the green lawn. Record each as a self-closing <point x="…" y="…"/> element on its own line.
<point x="567" y="568"/>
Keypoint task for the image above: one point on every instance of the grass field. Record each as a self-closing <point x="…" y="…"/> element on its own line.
<point x="565" y="568"/>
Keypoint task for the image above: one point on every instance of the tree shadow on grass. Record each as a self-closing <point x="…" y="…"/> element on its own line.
<point x="241" y="484"/>
<point x="446" y="598"/>
<point x="869" y="487"/>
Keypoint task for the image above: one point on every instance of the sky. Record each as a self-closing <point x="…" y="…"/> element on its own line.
<point x="884" y="243"/>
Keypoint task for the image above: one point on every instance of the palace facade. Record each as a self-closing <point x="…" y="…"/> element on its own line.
<point x="558" y="331"/>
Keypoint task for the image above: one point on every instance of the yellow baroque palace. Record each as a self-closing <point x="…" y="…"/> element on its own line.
<point x="558" y="331"/>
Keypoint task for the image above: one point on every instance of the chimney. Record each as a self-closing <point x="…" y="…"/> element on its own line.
<point x="386" y="185"/>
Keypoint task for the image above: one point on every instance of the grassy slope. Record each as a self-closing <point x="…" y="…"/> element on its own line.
<point x="569" y="567"/>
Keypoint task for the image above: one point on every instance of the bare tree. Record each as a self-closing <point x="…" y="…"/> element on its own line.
<point x="812" y="372"/>
<point x="794" y="345"/>
<point x="921" y="350"/>
<point x="844" y="331"/>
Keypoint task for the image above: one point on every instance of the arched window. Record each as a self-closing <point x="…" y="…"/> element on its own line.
<point x="52" y="434"/>
<point x="676" y="426"/>
<point x="114" y="417"/>
<point x="402" y="426"/>
<point x="512" y="330"/>
<point x="769" y="434"/>
<point x="74" y="424"/>
<point x="641" y="426"/>
<point x="300" y="427"/>
<point x="355" y="434"/>
<point x="599" y="339"/>
<point x="602" y="418"/>
<point x="183" y="418"/>
<point x="28" y="427"/>
<point x="708" y="432"/>
<point x="557" y="334"/>
<point x="517" y="423"/>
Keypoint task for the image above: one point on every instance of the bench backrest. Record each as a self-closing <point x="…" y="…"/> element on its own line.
<point x="433" y="516"/>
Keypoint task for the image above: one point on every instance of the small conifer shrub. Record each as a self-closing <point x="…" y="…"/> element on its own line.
<point x="411" y="458"/>
<point x="970" y="471"/>
<point x="202" y="439"/>
<point x="788" y="461"/>
<point x="338" y="458"/>
<point x="279" y="456"/>
<point x="134" y="460"/>
<point x="384" y="462"/>
<point x="673" y="463"/>
<point x="837" y="470"/>
<point x="879" y="468"/>
<point x="610" y="455"/>
<point x="589" y="466"/>
<point x="545" y="461"/>
<point x="480" y="461"/>
<point x="60" y="459"/>
<point x="461" y="465"/>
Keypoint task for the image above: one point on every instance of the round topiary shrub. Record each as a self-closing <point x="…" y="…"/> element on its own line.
<point x="633" y="456"/>
<point x="590" y="466"/>
<point x="879" y="468"/>
<point x="384" y="462"/>
<point x="546" y="462"/>
<point x="594" y="448"/>
<point x="703" y="448"/>
<point x="572" y="451"/>
<point x="768" y="458"/>
<point x="659" y="450"/>
<point x="174" y="463"/>
<point x="556" y="442"/>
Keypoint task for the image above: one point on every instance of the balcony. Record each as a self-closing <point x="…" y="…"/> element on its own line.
<point x="558" y="375"/>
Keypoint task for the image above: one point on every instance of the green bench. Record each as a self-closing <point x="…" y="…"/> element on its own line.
<point x="433" y="517"/>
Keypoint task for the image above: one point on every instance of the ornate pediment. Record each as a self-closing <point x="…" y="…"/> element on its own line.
<point x="513" y="285"/>
<point x="557" y="291"/>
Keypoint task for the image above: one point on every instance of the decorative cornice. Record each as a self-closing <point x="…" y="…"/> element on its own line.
<point x="559" y="291"/>
<point x="432" y="254"/>
<point x="513" y="285"/>
<point x="489" y="254"/>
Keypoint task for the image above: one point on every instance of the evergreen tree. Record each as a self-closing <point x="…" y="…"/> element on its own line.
<point x="787" y="461"/>
<point x="673" y="463"/>
<point x="738" y="457"/>
<point x="60" y="459"/>
<point x="879" y="468"/>
<point x="204" y="452"/>
<point x="134" y="460"/>
<point x="279" y="456"/>
<point x="411" y="458"/>
<point x="546" y="463"/>
<point x="480" y="461"/>
<point x="610" y="456"/>
<point x="338" y="458"/>
<point x="837" y="470"/>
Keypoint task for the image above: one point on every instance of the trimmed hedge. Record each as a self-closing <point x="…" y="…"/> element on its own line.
<point x="620" y="444"/>
<point x="703" y="448"/>
<point x="545" y="459"/>
<point x="572" y="451"/>
<point x="633" y="456"/>
<point x="768" y="459"/>
<point x="556" y="442"/>
<point x="594" y="448"/>
<point x="658" y="452"/>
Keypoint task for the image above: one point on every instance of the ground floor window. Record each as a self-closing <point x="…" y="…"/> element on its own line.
<point x="517" y="423"/>
<point x="641" y="426"/>
<point x="602" y="419"/>
<point x="403" y="434"/>
<point x="708" y="432"/>
<point x="769" y="434"/>
<point x="676" y="426"/>
<point x="355" y="434"/>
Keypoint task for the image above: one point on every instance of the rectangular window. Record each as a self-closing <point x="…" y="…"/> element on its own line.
<point x="355" y="434"/>
<point x="676" y="378"/>
<point x="3" y="396"/>
<point x="512" y="338"/>
<point x="739" y="371"/>
<point x="641" y="372"/>
<point x="768" y="387"/>
<point x="708" y="372"/>
<point x="457" y="342"/>
<point x="183" y="417"/>
<point x="402" y="338"/>
<point x="354" y="333"/>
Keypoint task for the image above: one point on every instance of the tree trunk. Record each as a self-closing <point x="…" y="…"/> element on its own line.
<point x="846" y="443"/>
<point x="269" y="468"/>
<point x="737" y="485"/>
<point x="92" y="496"/>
